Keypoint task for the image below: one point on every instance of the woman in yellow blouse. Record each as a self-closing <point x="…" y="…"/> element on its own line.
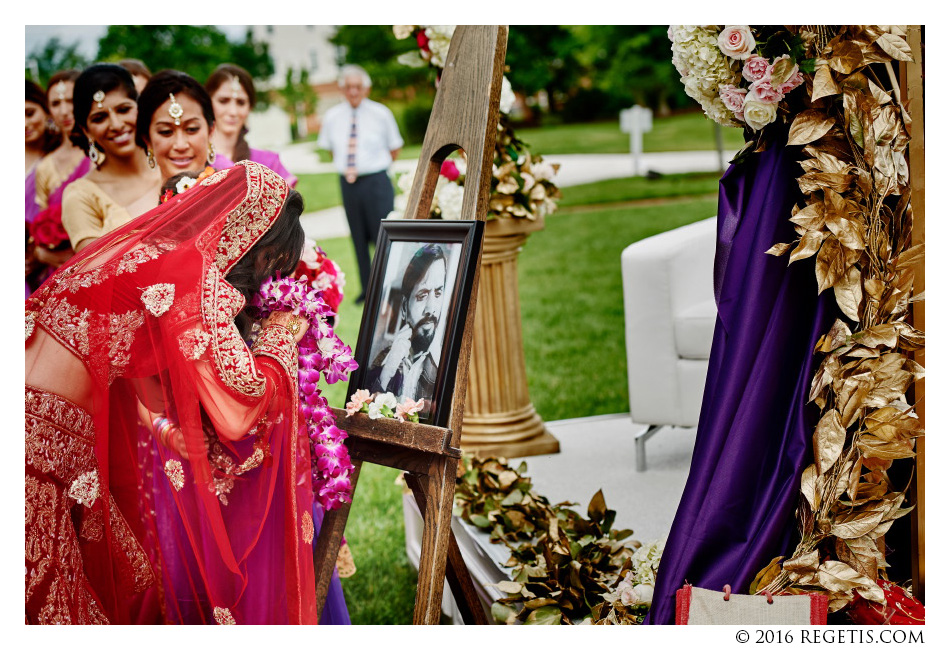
<point x="122" y="186"/>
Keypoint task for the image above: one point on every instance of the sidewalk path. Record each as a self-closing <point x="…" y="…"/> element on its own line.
<point x="575" y="169"/>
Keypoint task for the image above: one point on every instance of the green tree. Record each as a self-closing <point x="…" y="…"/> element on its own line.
<point x="375" y="48"/>
<point x="542" y="57"/>
<point x="297" y="97"/>
<point x="195" y="49"/>
<point x="632" y="64"/>
<point x="253" y="56"/>
<point x="51" y="58"/>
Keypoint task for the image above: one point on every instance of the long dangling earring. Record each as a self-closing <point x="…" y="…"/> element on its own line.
<point x="150" y="158"/>
<point x="211" y="154"/>
<point x="94" y="154"/>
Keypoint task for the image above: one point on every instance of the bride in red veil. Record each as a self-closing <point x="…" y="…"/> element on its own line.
<point x="167" y="479"/>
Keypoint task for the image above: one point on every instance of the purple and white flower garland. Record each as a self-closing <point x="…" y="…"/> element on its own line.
<point x="320" y="350"/>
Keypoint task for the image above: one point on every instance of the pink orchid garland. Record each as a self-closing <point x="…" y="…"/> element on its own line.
<point x="320" y="350"/>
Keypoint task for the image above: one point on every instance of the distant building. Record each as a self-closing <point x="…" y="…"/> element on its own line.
<point x="304" y="47"/>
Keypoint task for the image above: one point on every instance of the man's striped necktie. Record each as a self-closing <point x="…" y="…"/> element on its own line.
<point x="351" y="153"/>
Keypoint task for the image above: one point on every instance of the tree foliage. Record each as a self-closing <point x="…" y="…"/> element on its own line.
<point x="635" y="65"/>
<point x="297" y="97"/>
<point x="542" y="57"/>
<point x="592" y="71"/>
<point x="194" y="49"/>
<point x="375" y="48"/>
<point x="51" y="58"/>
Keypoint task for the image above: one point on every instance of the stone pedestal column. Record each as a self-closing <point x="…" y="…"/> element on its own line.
<point x="499" y="418"/>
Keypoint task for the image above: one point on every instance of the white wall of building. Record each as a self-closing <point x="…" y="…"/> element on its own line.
<point x="269" y="129"/>
<point x="300" y="46"/>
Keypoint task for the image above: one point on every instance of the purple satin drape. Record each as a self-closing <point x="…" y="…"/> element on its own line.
<point x="754" y="434"/>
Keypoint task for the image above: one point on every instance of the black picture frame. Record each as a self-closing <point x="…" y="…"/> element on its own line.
<point x="384" y="315"/>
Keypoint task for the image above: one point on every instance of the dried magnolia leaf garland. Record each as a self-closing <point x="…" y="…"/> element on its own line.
<point x="566" y="568"/>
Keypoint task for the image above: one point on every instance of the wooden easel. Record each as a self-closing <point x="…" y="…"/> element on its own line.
<point x="464" y="116"/>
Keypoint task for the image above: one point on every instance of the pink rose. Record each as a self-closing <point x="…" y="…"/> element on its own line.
<point x="449" y="170"/>
<point x="422" y="40"/>
<point x="755" y="68"/>
<point x="732" y="97"/>
<point x="737" y="41"/>
<point x="767" y="93"/>
<point x="793" y="82"/>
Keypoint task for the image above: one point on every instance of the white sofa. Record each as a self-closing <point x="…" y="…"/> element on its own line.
<point x="669" y="317"/>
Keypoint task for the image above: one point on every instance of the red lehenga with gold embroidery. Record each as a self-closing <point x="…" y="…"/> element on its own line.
<point x="209" y="526"/>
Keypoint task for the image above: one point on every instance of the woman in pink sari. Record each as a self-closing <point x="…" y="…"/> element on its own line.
<point x="39" y="142"/>
<point x="167" y="479"/>
<point x="65" y="164"/>
<point x="233" y="96"/>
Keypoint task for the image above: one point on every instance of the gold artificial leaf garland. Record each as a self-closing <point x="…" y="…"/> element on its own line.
<point x="857" y="223"/>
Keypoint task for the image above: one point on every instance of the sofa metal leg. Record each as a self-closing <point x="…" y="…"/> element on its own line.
<point x="641" y="442"/>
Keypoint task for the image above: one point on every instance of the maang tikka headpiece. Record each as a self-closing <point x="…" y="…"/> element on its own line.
<point x="98" y="97"/>
<point x="235" y="87"/>
<point x="175" y="109"/>
<point x="61" y="90"/>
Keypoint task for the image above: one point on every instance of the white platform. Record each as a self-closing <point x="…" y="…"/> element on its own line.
<point x="596" y="453"/>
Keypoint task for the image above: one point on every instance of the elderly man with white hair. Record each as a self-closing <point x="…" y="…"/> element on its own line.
<point x="363" y="138"/>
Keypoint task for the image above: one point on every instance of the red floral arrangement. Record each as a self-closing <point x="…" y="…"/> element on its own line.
<point x="321" y="273"/>
<point x="899" y="609"/>
<point x="47" y="228"/>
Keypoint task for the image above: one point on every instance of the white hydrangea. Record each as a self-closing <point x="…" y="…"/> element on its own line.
<point x="450" y="200"/>
<point x="646" y="560"/>
<point x="439" y="38"/>
<point x="403" y="31"/>
<point x="704" y="68"/>
<point x="507" y="96"/>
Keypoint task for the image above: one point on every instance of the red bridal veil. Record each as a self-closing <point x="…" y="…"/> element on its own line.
<point x="128" y="520"/>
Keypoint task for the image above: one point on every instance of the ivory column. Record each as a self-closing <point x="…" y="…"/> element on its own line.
<point x="499" y="418"/>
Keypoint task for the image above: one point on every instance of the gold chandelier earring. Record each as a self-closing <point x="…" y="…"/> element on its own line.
<point x="211" y="154"/>
<point x="150" y="158"/>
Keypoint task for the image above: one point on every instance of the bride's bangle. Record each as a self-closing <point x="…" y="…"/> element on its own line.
<point x="162" y="426"/>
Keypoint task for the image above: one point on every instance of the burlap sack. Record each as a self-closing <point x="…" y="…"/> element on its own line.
<point x="695" y="606"/>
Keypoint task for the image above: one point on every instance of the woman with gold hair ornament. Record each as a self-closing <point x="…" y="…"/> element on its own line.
<point x="121" y="186"/>
<point x="233" y="97"/>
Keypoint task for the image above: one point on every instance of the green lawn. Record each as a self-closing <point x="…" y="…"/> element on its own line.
<point x="572" y="304"/>
<point x="618" y="190"/>
<point x="691" y="131"/>
<point x="682" y="132"/>
<point x="572" y="322"/>
<point x="320" y="191"/>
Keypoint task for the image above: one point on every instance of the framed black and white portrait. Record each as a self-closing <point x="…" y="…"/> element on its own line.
<point x="411" y="331"/>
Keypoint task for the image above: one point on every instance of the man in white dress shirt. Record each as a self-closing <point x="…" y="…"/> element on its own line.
<point x="363" y="138"/>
